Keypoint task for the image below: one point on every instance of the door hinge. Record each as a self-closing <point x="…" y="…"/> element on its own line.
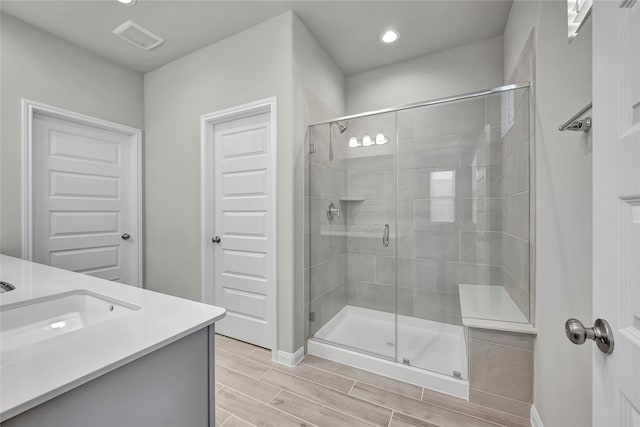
<point x="312" y="316"/>
<point x="312" y="148"/>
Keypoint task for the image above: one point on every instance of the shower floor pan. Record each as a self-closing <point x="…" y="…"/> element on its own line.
<point x="430" y="354"/>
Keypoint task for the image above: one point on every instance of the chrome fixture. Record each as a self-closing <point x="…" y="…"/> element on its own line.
<point x="427" y="103"/>
<point x="457" y="374"/>
<point x="332" y="211"/>
<point x="601" y="333"/>
<point x="126" y="236"/>
<point x="216" y="239"/>
<point x="583" y="125"/>
<point x="6" y="287"/>
<point x="342" y="128"/>
<point x="385" y="235"/>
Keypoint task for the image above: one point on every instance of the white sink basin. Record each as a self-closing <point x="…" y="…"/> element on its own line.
<point x="36" y="320"/>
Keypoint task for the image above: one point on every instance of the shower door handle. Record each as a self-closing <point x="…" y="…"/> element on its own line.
<point x="385" y="235"/>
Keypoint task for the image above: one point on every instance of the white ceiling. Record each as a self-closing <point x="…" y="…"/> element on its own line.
<point x="348" y="30"/>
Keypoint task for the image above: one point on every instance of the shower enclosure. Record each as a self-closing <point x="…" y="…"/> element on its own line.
<point x="417" y="226"/>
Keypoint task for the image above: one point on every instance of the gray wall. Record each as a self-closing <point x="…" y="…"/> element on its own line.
<point x="318" y="95"/>
<point x="563" y="196"/>
<point x="251" y="65"/>
<point x="467" y="68"/>
<point x="41" y="67"/>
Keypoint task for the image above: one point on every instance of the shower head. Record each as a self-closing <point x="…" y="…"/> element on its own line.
<point x="342" y="128"/>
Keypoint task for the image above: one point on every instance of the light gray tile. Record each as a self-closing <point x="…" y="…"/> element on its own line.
<point x="455" y="117"/>
<point x="482" y="148"/>
<point x="371" y="242"/>
<point x="518" y="294"/>
<point x="516" y="258"/>
<point x="372" y="164"/>
<point x="362" y="185"/>
<point x="405" y="184"/>
<point x="509" y="339"/>
<point x="480" y="214"/>
<point x="326" y="276"/>
<point x="323" y="246"/>
<point x="383" y="297"/>
<point x="483" y="247"/>
<point x="439" y="152"/>
<point x="474" y="274"/>
<point x="373" y="212"/>
<point x="327" y="306"/>
<point x="505" y="371"/>
<point x="385" y="187"/>
<point x="500" y="403"/>
<point x="440" y="245"/>
<point x="436" y="306"/>
<point x="361" y="267"/>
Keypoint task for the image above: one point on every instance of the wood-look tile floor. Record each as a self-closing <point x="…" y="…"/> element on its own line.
<point x="251" y="390"/>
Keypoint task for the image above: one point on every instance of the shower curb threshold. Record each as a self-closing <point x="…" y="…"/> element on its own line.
<point x="431" y="380"/>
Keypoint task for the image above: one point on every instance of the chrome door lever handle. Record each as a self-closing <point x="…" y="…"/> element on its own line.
<point x="216" y="239"/>
<point x="126" y="236"/>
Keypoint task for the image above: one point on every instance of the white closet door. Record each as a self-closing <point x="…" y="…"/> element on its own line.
<point x="85" y="208"/>
<point x="243" y="198"/>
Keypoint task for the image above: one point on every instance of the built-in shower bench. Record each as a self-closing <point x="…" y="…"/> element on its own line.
<point x="500" y="343"/>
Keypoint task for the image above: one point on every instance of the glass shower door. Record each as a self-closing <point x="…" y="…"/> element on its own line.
<point x="352" y="203"/>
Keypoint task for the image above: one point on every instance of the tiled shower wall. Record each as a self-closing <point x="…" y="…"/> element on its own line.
<point x="325" y="241"/>
<point x="472" y="228"/>
<point x="517" y="212"/>
<point x="459" y="243"/>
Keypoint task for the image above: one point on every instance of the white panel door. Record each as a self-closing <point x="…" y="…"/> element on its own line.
<point x="85" y="191"/>
<point x="243" y="265"/>
<point x="616" y="212"/>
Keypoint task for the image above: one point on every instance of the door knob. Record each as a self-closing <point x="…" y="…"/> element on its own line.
<point x="126" y="236"/>
<point x="601" y="333"/>
<point x="215" y="239"/>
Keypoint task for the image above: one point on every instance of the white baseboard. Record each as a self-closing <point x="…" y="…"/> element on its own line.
<point x="289" y="359"/>
<point x="536" y="421"/>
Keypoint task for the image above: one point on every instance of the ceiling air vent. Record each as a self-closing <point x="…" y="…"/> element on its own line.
<point x="138" y="35"/>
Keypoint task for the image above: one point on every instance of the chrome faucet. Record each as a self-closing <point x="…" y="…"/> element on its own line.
<point x="332" y="212"/>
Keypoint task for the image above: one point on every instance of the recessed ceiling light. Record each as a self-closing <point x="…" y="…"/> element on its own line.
<point x="389" y="36"/>
<point x="127" y="2"/>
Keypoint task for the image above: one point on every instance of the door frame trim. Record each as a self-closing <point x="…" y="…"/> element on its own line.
<point x="207" y="264"/>
<point x="29" y="110"/>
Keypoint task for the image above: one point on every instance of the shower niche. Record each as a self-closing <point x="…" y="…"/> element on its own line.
<point x="417" y="232"/>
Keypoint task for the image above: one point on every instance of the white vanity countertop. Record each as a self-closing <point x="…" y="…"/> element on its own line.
<point x="34" y="373"/>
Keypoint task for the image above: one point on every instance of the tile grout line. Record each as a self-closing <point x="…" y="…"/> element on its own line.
<point x="355" y="381"/>
<point x="365" y="382"/>
<point x="262" y="376"/>
<point x="352" y="386"/>
<point x="475" y="417"/>
<point x="393" y="411"/>
<point x="293" y="374"/>
<point x="339" y="411"/>
<point x="268" y="405"/>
